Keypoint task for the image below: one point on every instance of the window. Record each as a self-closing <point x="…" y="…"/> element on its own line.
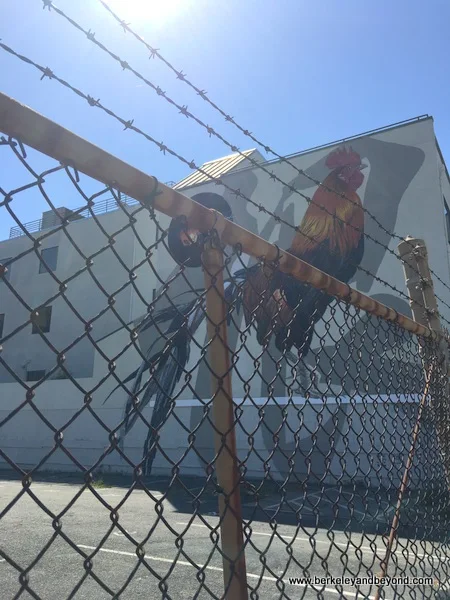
<point x="2" y="322"/>
<point x="41" y="322"/>
<point x="35" y="375"/>
<point x="5" y="261"/>
<point x="447" y="219"/>
<point x="50" y="255"/>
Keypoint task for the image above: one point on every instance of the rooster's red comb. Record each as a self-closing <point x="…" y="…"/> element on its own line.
<point x="343" y="158"/>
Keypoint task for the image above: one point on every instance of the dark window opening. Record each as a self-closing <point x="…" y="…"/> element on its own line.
<point x="41" y="321"/>
<point x="447" y="219"/>
<point x="50" y="255"/>
<point x="5" y="261"/>
<point x="2" y="322"/>
<point x="35" y="375"/>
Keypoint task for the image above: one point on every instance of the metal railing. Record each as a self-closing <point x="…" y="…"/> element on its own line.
<point x="311" y="382"/>
<point x="99" y="207"/>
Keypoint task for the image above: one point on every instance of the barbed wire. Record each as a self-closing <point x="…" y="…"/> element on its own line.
<point x="315" y="451"/>
<point x="155" y="52"/>
<point x="183" y="109"/>
<point x="129" y="124"/>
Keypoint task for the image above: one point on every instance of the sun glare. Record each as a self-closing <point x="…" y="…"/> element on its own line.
<point x="160" y="11"/>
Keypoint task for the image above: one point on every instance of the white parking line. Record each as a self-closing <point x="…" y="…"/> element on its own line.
<point x="293" y="501"/>
<point x="297" y="538"/>
<point x="310" y="508"/>
<point x="365" y="549"/>
<point x="183" y="563"/>
<point x="322" y="497"/>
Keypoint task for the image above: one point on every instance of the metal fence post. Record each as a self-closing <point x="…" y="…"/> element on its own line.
<point x="228" y="476"/>
<point x="413" y="254"/>
<point x="419" y="282"/>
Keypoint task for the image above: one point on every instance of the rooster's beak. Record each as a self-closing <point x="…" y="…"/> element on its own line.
<point x="362" y="167"/>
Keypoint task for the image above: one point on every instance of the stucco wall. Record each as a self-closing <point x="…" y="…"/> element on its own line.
<point x="26" y="351"/>
<point x="403" y="187"/>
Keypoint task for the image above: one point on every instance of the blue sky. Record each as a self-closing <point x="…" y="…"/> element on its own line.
<point x="296" y="73"/>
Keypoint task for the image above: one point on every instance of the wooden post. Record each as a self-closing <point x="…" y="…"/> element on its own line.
<point x="424" y="308"/>
<point x="228" y="477"/>
<point x="414" y="255"/>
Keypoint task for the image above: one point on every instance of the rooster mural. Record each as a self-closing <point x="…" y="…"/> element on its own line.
<point x="330" y="237"/>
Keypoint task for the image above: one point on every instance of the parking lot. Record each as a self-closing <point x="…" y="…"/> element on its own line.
<point x="90" y="550"/>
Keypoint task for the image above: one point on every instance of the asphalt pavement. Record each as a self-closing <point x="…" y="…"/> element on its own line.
<point x="113" y="543"/>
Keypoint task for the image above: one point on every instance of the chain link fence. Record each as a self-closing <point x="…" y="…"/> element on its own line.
<point x="244" y="424"/>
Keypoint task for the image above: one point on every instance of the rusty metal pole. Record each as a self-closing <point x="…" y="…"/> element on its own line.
<point x="419" y="282"/>
<point x="424" y="308"/>
<point x="408" y="251"/>
<point x="414" y="255"/>
<point x="403" y="485"/>
<point x="228" y="476"/>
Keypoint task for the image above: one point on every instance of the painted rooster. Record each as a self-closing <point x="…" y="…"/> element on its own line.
<point x="330" y="237"/>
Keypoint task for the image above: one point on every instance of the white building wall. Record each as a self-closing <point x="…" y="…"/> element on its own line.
<point x="27" y="351"/>
<point x="444" y="182"/>
<point x="403" y="188"/>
